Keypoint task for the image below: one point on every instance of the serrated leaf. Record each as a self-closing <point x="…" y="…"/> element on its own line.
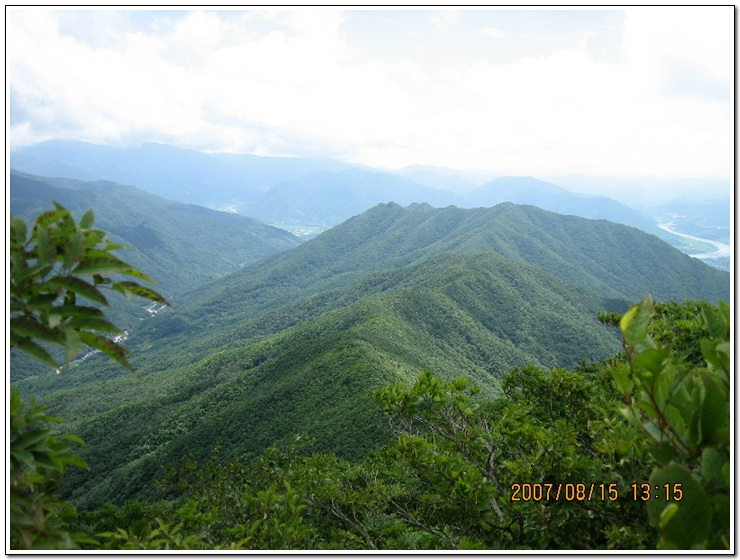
<point x="74" y="249"/>
<point x="138" y="274"/>
<point x="87" y="220"/>
<point x="100" y="265"/>
<point x="45" y="251"/>
<point x="29" y="438"/>
<point x="72" y="344"/>
<point x="78" y="286"/>
<point x="108" y="347"/>
<point x="132" y="288"/>
<point x="77" y="311"/>
<point x="93" y="324"/>
<point x="49" y="217"/>
<point x="31" y="328"/>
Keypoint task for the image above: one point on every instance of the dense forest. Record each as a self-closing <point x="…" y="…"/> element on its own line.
<point x="414" y="379"/>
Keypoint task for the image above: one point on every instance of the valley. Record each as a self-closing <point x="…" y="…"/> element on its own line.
<point x="273" y="336"/>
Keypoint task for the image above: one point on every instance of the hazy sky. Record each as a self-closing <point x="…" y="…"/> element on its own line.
<point x="633" y="92"/>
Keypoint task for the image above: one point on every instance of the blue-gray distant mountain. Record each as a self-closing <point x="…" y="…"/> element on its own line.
<point x="316" y="193"/>
<point x="438" y="177"/>
<point x="214" y="180"/>
<point x="324" y="199"/>
<point x="528" y="190"/>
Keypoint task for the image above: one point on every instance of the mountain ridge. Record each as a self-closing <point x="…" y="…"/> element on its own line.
<point x="266" y="187"/>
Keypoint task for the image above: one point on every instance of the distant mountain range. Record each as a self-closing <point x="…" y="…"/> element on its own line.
<point x="293" y="193"/>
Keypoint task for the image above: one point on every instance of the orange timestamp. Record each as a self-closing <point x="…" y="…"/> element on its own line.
<point x="582" y="492"/>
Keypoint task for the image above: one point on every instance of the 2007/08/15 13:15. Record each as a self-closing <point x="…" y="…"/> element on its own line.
<point x="535" y="492"/>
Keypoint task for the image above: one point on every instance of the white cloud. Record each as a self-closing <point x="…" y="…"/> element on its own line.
<point x="494" y="32"/>
<point x="445" y="20"/>
<point x="290" y="82"/>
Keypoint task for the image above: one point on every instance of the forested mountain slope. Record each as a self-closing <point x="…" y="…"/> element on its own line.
<point x="616" y="261"/>
<point x="476" y="315"/>
<point x="297" y="342"/>
<point x="180" y="245"/>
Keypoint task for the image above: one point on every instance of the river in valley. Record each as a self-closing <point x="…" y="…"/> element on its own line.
<point x="722" y="249"/>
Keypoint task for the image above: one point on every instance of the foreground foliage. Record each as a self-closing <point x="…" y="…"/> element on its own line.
<point x="628" y="453"/>
<point x="558" y="461"/>
<point x="56" y="291"/>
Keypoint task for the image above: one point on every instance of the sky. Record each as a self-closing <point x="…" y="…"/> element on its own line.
<point x="633" y="92"/>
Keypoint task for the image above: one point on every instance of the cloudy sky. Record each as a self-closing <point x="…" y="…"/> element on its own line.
<point x="621" y="93"/>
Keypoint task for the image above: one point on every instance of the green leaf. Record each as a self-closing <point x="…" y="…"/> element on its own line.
<point x="18" y="232"/>
<point x="712" y="461"/>
<point x="78" y="286"/>
<point x="35" y="350"/>
<point x="87" y="220"/>
<point x="676" y="420"/>
<point x="131" y="271"/>
<point x="101" y="265"/>
<point x="76" y="311"/>
<point x="31" y="328"/>
<point x="621" y="375"/>
<point x="50" y="216"/>
<point x="29" y="438"/>
<point x="132" y="288"/>
<point x="715" y="414"/>
<point x="93" y="324"/>
<point x="634" y="323"/>
<point x="689" y="524"/>
<point x="72" y="344"/>
<point x="45" y="251"/>
<point x="41" y="300"/>
<point x="74" y="250"/>
<point x="99" y="342"/>
<point x="662" y="451"/>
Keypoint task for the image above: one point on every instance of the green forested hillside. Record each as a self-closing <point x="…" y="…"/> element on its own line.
<point x="616" y="261"/>
<point x="297" y="341"/>
<point x="180" y="245"/>
<point x="478" y="315"/>
<point x="296" y="345"/>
